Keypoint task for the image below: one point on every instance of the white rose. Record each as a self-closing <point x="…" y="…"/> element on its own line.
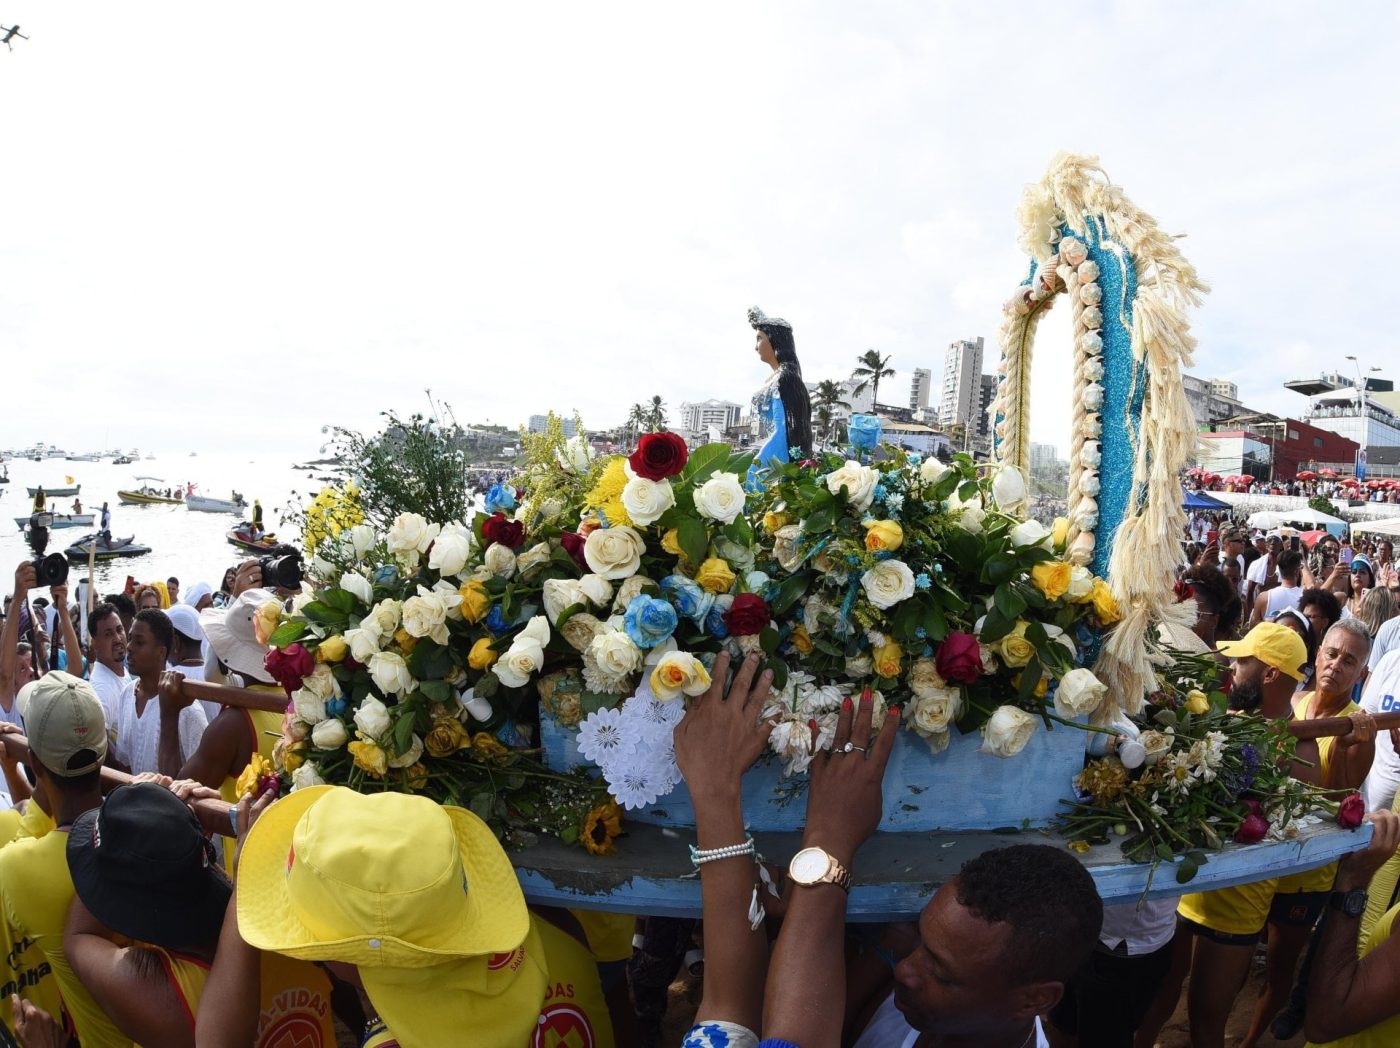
<point x="309" y="706"/>
<point x="390" y="673"/>
<point x="532" y="560"/>
<point x="1079" y="692"/>
<point x="615" y="654"/>
<point x="597" y="589"/>
<point x="888" y="583"/>
<point x="931" y="470"/>
<point x="358" y="587"/>
<point x="383" y="619"/>
<point x="372" y="718"/>
<point x="924" y="679"/>
<point x="1009" y="489"/>
<point x="1030" y="533"/>
<point x="786" y="542"/>
<point x="859" y="482"/>
<point x="296" y="730"/>
<point x="646" y="500"/>
<point x="614" y="553"/>
<point x="739" y="556"/>
<point x="1081" y="582"/>
<point x="1058" y="636"/>
<point x="411" y="533"/>
<point x="629" y="590"/>
<point x="858" y="666"/>
<point x="499" y="560"/>
<point x="576" y="454"/>
<point x="1007" y="733"/>
<point x="409" y="757"/>
<point x="525" y="655"/>
<point x="971" y="517"/>
<point x="329" y="735"/>
<point x="307" y="774"/>
<point x="364" y="644"/>
<point x="557" y="595"/>
<point x="1155" y="745"/>
<point x="451" y="550"/>
<point x="321" y="684"/>
<point x="362" y="537"/>
<point x="426" y="615"/>
<point x="720" y="498"/>
<point x="934" y="713"/>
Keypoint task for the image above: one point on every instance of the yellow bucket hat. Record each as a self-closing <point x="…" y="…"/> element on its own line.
<point x="385" y="880"/>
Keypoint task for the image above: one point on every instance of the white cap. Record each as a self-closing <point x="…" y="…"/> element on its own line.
<point x="186" y="621"/>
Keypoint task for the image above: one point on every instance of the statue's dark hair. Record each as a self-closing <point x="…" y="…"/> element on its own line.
<point x="797" y="405"/>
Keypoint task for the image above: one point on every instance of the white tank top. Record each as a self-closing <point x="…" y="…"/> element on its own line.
<point x="1281" y="598"/>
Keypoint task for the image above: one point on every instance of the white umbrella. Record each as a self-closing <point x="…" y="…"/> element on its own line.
<point x="1389" y="526"/>
<point x="1302" y="515"/>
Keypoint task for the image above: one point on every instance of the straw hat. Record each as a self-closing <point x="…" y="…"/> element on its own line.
<point x="232" y="636"/>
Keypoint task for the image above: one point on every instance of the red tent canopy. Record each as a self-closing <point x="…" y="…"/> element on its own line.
<point x="1327" y="472"/>
<point x="1306" y="474"/>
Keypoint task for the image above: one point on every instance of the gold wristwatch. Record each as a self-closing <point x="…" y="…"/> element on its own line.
<point x="813" y="866"/>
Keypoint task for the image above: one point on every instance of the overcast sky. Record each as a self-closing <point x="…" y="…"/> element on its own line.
<point x="236" y="223"/>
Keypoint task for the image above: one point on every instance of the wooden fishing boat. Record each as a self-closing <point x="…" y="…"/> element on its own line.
<point x="57" y="493"/>
<point x="147" y="497"/>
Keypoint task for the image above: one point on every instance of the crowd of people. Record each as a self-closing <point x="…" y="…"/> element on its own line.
<point x="404" y="922"/>
<point x="1348" y="489"/>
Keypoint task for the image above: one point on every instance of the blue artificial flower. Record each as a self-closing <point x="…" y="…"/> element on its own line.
<point x="500" y="498"/>
<point x="649" y="621"/>
<point x="386" y="575"/>
<point x="336" y="707"/>
<point x="864" y="431"/>
<point x="922" y="581"/>
<point x="714" y="621"/>
<point x="920" y="633"/>
<point x="894" y="503"/>
<point x="881" y="493"/>
<point x="496" y="620"/>
<point x="690" y="600"/>
<point x="915" y="458"/>
<point x="795" y="454"/>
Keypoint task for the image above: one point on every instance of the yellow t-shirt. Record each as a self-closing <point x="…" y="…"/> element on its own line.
<point x="26" y="971"/>
<point x="609" y="935"/>
<point x="1320" y="879"/>
<point x="266" y="729"/>
<point x="295" y="1010"/>
<point x="37" y="890"/>
<point x="1385" y="1034"/>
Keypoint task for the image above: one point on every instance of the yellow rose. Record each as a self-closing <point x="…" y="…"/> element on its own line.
<point x="679" y="672"/>
<point x="268" y="616"/>
<point x="671" y="542"/>
<point x="887" y="658"/>
<point x="1196" y="702"/>
<point x="1105" y="606"/>
<point x="715" y="575"/>
<point x="488" y="748"/>
<point x="1059" y="532"/>
<point x="369" y="758"/>
<point x="405" y="640"/>
<point x="1051" y="577"/>
<point x="415" y="776"/>
<point x="802" y="640"/>
<point x="446" y="737"/>
<point x="884" y="535"/>
<point x="332" y="649"/>
<point x="1014" y="649"/>
<point x="773" y="520"/>
<point x="476" y="602"/>
<point x="482" y="654"/>
<point x="247" y="783"/>
<point x="288" y="754"/>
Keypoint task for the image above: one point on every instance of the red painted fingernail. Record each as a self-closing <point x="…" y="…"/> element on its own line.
<point x="893" y="711"/>
<point x="846" y="704"/>
<point x="813" y="725"/>
<point x="865" y="695"/>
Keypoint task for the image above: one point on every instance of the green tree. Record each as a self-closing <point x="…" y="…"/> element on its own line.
<point x="636" y="421"/>
<point x="656" y="415"/>
<point x="870" y="369"/>
<point x="825" y="400"/>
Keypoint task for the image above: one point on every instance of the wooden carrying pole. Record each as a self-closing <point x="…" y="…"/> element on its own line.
<point x="228" y="695"/>
<point x="1318" y="727"/>
<point x="213" y="814"/>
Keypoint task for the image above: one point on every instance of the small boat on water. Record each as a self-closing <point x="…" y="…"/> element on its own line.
<point x="242" y="537"/>
<point x="57" y="493"/>
<point x="91" y="456"/>
<point x="147" y="497"/>
<point x="117" y="547"/>
<point x="204" y="504"/>
<point x="61" y="520"/>
<point x="123" y="460"/>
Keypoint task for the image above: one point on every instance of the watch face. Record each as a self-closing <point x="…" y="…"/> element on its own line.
<point x="808" y="865"/>
<point x="1354" y="903"/>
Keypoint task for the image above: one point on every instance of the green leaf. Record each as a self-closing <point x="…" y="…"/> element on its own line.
<point x="821" y="521"/>
<point x="287" y="633"/>
<point x="768" y="640"/>
<point x="508" y="605"/>
<point x="487" y="686"/>
<point x="437" y="690"/>
<point x="323" y="613"/>
<point x="403" y="731"/>
<point x="995" y="627"/>
<point x="791" y="588"/>
<point x="740" y="531"/>
<point x="704" y="461"/>
<point x="1030" y="677"/>
<point x="1186" y="871"/>
<point x="339" y="599"/>
<point x="1000" y="567"/>
<point x="780" y="673"/>
<point x="693" y="537"/>
<point x="565" y="616"/>
<point x="739" y="464"/>
<point x="1165" y="853"/>
<point x="935" y="623"/>
<point x="1008" y="601"/>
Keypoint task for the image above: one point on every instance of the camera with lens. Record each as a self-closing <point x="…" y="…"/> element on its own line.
<point x="282" y="571"/>
<point x="51" y="570"/>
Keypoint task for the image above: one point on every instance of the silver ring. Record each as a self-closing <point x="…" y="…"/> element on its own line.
<point x="854" y="747"/>
<point x="848" y="747"/>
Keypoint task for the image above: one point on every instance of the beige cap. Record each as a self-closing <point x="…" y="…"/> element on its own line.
<point x="63" y="720"/>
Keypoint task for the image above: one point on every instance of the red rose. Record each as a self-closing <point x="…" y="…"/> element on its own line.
<point x="959" y="658"/>
<point x="572" y="542"/>
<point x="507" y="532"/>
<point x="289" y="665"/>
<point x="659" y="455"/>
<point x="747" y="615"/>
<point x="1252" y="830"/>
<point x="1351" y="813"/>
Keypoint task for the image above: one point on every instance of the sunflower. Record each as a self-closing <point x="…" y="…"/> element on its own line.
<point x="600" y="829"/>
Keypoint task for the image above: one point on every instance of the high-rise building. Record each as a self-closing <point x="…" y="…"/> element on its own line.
<point x="703" y="415"/>
<point x="962" y="378"/>
<point x="1224" y="389"/>
<point x="1044" y="456"/>
<point x="919" y="387"/>
<point x="538" y="424"/>
<point x="988" y="393"/>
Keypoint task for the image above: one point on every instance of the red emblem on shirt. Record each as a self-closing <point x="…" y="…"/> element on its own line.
<point x="563" y="1026"/>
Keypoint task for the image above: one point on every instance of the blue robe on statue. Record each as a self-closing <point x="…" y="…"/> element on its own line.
<point x="772" y="431"/>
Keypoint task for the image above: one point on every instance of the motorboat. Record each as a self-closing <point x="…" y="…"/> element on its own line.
<point x="60" y="520"/>
<point x="91" y="456"/>
<point x="123" y="460"/>
<point x="57" y="493"/>
<point x="205" y="504"/>
<point x="105" y="549"/>
<point x="242" y="537"/>
<point x="148" y="497"/>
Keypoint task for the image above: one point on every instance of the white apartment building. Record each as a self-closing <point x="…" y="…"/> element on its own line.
<point x="962" y="384"/>
<point x="919" y="388"/>
<point x="701" y="416"/>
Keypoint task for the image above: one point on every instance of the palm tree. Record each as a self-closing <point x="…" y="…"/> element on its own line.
<point x="636" y="421"/>
<point x="825" y="400"/>
<point x="656" y="415"/>
<point x="870" y="369"/>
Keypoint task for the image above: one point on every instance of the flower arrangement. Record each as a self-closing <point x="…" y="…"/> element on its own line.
<point x="919" y="578"/>
<point x="332" y="511"/>
<point x="1201" y="776"/>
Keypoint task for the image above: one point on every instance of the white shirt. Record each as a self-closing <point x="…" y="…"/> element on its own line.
<point x="887" y="1028"/>
<point x="1387" y="640"/>
<point x="109" y="691"/>
<point x="1146" y="928"/>
<point x="196" y="672"/>
<point x="1382" y="695"/>
<point x="1259" y="571"/>
<point x="137" y="741"/>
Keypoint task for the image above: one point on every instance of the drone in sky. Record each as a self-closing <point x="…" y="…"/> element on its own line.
<point x="10" y="34"/>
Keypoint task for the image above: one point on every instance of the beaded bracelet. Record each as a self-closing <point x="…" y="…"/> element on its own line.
<point x="700" y="856"/>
